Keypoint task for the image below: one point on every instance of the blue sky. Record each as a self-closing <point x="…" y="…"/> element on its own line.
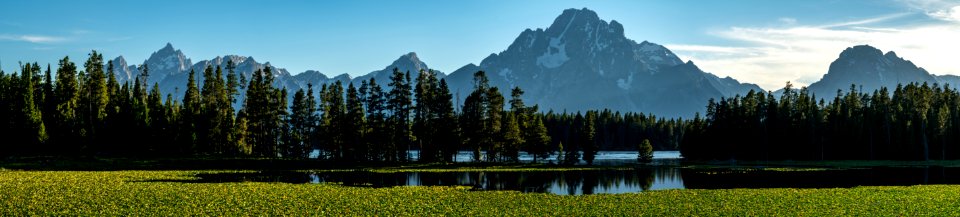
<point x="757" y="41"/>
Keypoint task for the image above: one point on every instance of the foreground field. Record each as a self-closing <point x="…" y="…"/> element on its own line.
<point x="178" y="193"/>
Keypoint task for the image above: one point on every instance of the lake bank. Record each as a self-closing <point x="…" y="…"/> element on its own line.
<point x="604" y="159"/>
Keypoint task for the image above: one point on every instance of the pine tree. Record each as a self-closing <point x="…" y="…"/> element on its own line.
<point x="299" y="126"/>
<point x="517" y="106"/>
<point x="124" y="124"/>
<point x="378" y="135"/>
<point x="448" y="130"/>
<point x="29" y="125"/>
<point x="140" y="127"/>
<point x="49" y="102"/>
<point x="243" y="81"/>
<point x="158" y="122"/>
<point x="66" y="96"/>
<point x="263" y="110"/>
<point x="398" y="103"/>
<point x="190" y="115"/>
<point x="645" y="152"/>
<point x="226" y="90"/>
<point x="470" y="123"/>
<point x="536" y="139"/>
<point x="587" y="142"/>
<point x="572" y="150"/>
<point x="97" y="97"/>
<point x="6" y="113"/>
<point x="354" y="125"/>
<point x="282" y="122"/>
<point x="312" y="119"/>
<point x="241" y="135"/>
<point x="493" y="114"/>
<point x="217" y="112"/>
<point x="481" y="119"/>
<point x="561" y="154"/>
<point x="425" y="118"/>
<point x="512" y="138"/>
<point x="522" y="114"/>
<point x="169" y="127"/>
<point x="276" y="108"/>
<point x="232" y="83"/>
<point x="332" y="120"/>
<point x="472" y="116"/>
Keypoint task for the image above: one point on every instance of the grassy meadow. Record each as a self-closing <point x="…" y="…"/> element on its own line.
<point x="111" y="193"/>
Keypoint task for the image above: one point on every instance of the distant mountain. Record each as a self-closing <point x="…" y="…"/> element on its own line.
<point x="869" y="69"/>
<point x="317" y="79"/>
<point x="123" y="71"/>
<point x="582" y="62"/>
<point x="245" y="66"/>
<point x="407" y="63"/>
<point x="170" y="69"/>
<point x="578" y="63"/>
<point x="952" y="80"/>
<point x="166" y="62"/>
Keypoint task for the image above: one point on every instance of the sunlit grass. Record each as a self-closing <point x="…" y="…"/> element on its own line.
<point x="840" y="164"/>
<point x="171" y="193"/>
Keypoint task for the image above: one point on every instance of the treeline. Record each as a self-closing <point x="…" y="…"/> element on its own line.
<point x="617" y="131"/>
<point x="915" y="122"/>
<point x="89" y="113"/>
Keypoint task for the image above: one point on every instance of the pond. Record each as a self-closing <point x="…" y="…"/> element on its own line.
<point x="606" y="158"/>
<point x="664" y="173"/>
<point x="577" y="182"/>
<point x="556" y="182"/>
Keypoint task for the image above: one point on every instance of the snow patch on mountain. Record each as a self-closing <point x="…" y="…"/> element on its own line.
<point x="625" y="84"/>
<point x="556" y="54"/>
<point x="507" y="75"/>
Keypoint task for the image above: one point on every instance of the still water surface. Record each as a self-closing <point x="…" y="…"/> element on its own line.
<point x="602" y="158"/>
<point x="666" y="174"/>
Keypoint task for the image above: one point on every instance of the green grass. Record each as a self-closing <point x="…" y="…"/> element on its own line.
<point x="840" y="164"/>
<point x="112" y="193"/>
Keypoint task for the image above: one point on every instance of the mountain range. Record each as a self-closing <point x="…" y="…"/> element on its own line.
<point x="577" y="63"/>
<point x="170" y="69"/>
<point x="869" y="69"/>
<point x="581" y="62"/>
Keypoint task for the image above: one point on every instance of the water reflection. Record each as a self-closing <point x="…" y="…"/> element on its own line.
<point x="617" y="181"/>
<point x="555" y="182"/>
<point x="609" y="158"/>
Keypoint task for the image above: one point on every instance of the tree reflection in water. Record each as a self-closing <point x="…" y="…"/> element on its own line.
<point x="555" y="182"/>
<point x="578" y="182"/>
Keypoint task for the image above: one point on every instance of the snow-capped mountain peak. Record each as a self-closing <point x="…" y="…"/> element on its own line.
<point x="582" y="62"/>
<point x="122" y="71"/>
<point x="165" y="62"/>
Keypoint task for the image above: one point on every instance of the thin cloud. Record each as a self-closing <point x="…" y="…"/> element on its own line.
<point x="37" y="39"/>
<point x="802" y="54"/>
<point x="708" y="48"/>
<point x="866" y="21"/>
<point x="945" y="10"/>
<point x="952" y="15"/>
<point x="788" y="20"/>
